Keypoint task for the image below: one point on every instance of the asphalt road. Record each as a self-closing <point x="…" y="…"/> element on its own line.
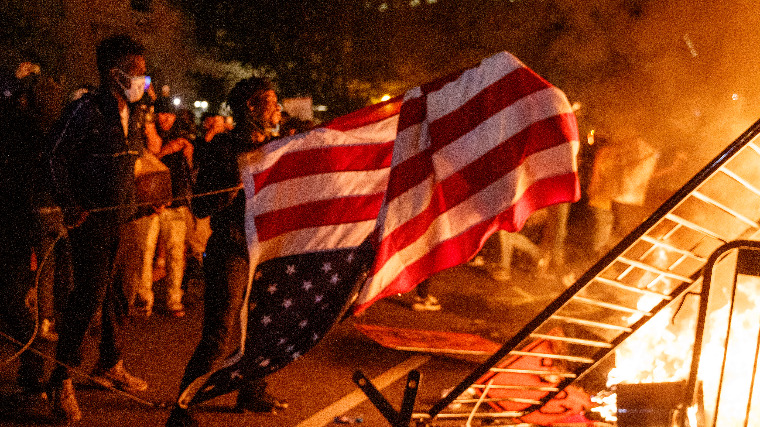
<point x="318" y="386"/>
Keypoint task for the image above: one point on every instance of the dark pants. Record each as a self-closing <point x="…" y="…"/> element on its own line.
<point x="18" y="320"/>
<point x="226" y="272"/>
<point x="93" y="247"/>
<point x="55" y="275"/>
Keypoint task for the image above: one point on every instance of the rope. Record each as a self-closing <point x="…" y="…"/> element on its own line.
<point x="35" y="308"/>
<point x="87" y="376"/>
<point x="210" y="193"/>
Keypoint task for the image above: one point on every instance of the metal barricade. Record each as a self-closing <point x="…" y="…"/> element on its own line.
<point x="649" y="269"/>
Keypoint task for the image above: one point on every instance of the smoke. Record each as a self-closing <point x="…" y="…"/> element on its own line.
<point x="683" y="74"/>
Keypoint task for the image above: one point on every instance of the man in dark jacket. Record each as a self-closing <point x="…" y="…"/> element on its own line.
<point x="94" y="147"/>
<point x="226" y="267"/>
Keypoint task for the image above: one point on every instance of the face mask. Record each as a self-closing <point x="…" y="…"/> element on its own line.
<point x="136" y="88"/>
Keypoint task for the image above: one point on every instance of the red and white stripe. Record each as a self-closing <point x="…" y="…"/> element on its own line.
<point x="475" y="152"/>
<point x="319" y="190"/>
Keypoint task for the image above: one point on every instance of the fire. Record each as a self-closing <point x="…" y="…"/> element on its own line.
<point x="661" y="351"/>
<point x="740" y="354"/>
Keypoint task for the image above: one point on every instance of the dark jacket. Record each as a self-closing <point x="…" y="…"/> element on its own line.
<point x="180" y="170"/>
<point x="92" y="162"/>
<point x="218" y="171"/>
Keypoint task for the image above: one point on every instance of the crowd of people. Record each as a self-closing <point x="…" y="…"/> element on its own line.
<point x="121" y="187"/>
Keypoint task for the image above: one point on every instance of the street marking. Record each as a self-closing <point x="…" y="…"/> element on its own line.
<point x="328" y="414"/>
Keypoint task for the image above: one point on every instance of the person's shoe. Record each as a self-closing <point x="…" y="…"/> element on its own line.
<point x="478" y="261"/>
<point x="47" y="330"/>
<point x="180" y="417"/>
<point x="177" y="313"/>
<point x="64" y="402"/>
<point x="430" y="303"/>
<point x="263" y="402"/>
<point x="500" y="274"/>
<point x="118" y="377"/>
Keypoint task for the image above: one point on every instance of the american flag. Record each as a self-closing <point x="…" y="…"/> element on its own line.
<point x="312" y="201"/>
<point x="417" y="184"/>
<point x="475" y="152"/>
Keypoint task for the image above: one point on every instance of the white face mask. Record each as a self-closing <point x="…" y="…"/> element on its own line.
<point x="136" y="88"/>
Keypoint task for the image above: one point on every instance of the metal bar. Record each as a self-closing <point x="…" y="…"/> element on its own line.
<point x="579" y="341"/>
<point x="410" y="394"/>
<point x="611" y="306"/>
<point x="377" y="399"/>
<point x="552" y="356"/>
<point x="721" y="206"/>
<point x="591" y="323"/>
<point x="679" y="261"/>
<point x="731" y="174"/>
<point x="691" y="385"/>
<point x="754" y="148"/>
<point x="513" y="414"/>
<point x="725" y="350"/>
<point x="501" y="399"/>
<point x="623" y="286"/>
<point x="669" y="234"/>
<point x="752" y="382"/>
<point x="479" y="402"/>
<point x="653" y="269"/>
<point x="671" y="248"/>
<point x="695" y="227"/>
<point x="517" y="387"/>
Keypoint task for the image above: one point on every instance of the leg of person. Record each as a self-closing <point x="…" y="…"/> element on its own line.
<point x="553" y="239"/>
<point x="137" y="247"/>
<point x="198" y="233"/>
<point x="18" y="318"/>
<point x="603" y="220"/>
<point x="147" y="250"/>
<point x="94" y="245"/>
<point x="423" y="301"/>
<point x="254" y="397"/>
<point x="91" y="248"/>
<point x="51" y="226"/>
<point x="503" y="270"/>
<point x="64" y="274"/>
<point x="173" y="232"/>
<point x="110" y="370"/>
<point x="225" y="268"/>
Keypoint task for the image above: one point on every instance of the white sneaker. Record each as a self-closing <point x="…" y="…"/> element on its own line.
<point x="47" y="330"/>
<point x="500" y="274"/>
<point x="426" y="304"/>
<point x="478" y="261"/>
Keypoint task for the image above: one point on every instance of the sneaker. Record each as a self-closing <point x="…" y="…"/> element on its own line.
<point x="47" y="330"/>
<point x="118" y="377"/>
<point x="177" y="313"/>
<point x="430" y="303"/>
<point x="500" y="274"/>
<point x="180" y="417"/>
<point x="478" y="261"/>
<point x="263" y="402"/>
<point x="64" y="402"/>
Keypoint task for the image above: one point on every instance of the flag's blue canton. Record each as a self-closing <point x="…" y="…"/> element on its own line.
<point x="294" y="302"/>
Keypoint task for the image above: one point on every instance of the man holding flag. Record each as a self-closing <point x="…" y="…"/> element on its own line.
<point x="256" y="112"/>
<point x="388" y="196"/>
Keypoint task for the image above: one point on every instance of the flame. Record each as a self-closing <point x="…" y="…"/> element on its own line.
<point x="662" y="349"/>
